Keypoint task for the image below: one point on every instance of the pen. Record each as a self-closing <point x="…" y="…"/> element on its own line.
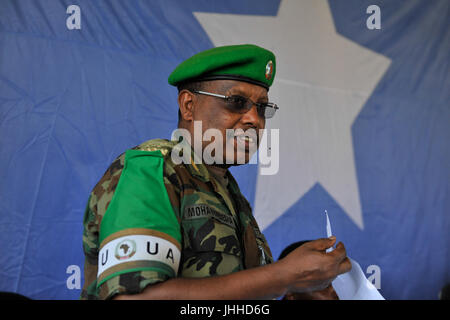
<point x="329" y="233"/>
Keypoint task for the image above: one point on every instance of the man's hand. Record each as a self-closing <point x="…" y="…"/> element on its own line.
<point x="310" y="268"/>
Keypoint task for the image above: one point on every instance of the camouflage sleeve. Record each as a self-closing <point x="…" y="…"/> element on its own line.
<point x="139" y="242"/>
<point x="98" y="202"/>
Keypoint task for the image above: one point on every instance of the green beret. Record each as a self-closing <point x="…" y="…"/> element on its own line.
<point x="246" y="62"/>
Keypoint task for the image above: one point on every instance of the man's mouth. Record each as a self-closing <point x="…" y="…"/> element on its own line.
<point x="246" y="140"/>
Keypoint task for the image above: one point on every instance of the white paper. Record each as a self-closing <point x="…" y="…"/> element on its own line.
<point x="353" y="285"/>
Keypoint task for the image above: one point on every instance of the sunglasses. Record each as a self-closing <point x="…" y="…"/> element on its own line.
<point x="239" y="104"/>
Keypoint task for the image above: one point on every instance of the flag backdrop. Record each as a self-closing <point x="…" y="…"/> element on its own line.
<point x="364" y="125"/>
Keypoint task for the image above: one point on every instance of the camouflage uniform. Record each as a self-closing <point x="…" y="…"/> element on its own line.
<point x="208" y="222"/>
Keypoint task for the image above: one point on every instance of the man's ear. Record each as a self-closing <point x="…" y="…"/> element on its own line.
<point x="186" y="105"/>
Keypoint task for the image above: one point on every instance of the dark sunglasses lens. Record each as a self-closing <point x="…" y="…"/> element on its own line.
<point x="242" y="105"/>
<point x="238" y="103"/>
<point x="269" y="111"/>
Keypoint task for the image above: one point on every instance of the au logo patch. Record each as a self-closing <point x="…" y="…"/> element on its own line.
<point x="269" y="70"/>
<point x="125" y="249"/>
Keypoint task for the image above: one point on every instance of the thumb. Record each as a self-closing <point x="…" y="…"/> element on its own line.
<point x="323" y="243"/>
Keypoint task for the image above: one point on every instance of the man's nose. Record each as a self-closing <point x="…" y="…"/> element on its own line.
<point x="251" y="117"/>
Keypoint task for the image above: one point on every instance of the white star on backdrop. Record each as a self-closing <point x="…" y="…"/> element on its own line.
<point x="322" y="82"/>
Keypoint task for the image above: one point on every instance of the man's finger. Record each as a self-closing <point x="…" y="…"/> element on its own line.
<point x="339" y="252"/>
<point x="322" y="244"/>
<point x="345" y="266"/>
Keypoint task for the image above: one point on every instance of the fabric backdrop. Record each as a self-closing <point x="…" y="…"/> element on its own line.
<point x="363" y="125"/>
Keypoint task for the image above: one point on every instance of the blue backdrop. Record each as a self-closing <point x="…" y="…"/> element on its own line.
<point x="77" y="88"/>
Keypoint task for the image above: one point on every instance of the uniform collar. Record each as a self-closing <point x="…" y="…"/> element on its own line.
<point x="194" y="167"/>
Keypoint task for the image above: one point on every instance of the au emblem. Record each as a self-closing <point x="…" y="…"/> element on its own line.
<point x="125" y="249"/>
<point x="269" y="69"/>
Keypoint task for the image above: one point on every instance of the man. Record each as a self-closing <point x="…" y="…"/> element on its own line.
<point x="155" y="228"/>
<point x="326" y="294"/>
